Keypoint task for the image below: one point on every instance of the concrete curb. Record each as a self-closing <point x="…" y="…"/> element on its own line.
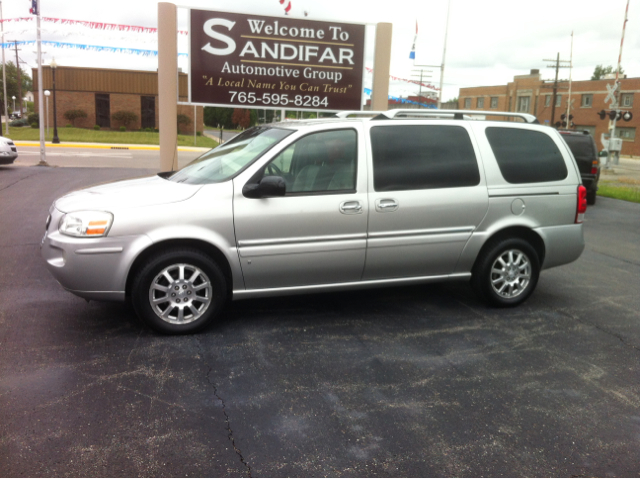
<point x="104" y="146"/>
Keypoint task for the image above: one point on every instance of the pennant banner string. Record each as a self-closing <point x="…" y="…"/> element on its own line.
<point x="93" y="25"/>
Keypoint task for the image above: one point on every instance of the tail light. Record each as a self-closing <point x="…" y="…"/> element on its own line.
<point x="594" y="167"/>
<point x="582" y="204"/>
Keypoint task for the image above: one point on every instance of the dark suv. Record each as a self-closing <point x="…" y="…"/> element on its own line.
<point x="585" y="152"/>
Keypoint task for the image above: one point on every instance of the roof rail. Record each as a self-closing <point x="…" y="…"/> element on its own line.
<point x="455" y="114"/>
<point x="357" y="114"/>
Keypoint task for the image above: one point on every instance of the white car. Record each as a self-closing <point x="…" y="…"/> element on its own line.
<point x="8" y="151"/>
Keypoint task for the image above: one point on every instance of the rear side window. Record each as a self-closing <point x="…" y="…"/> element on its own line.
<point x="526" y="156"/>
<point x="418" y="157"/>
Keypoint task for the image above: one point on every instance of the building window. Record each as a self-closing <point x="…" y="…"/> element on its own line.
<point x="558" y="100"/>
<point x="103" y="110"/>
<point x="626" y="99"/>
<point x="587" y="101"/>
<point x="523" y="104"/>
<point x="547" y="100"/>
<point x="480" y="103"/>
<point x="467" y="103"/>
<point x="626" y="133"/>
<point x="494" y="102"/>
<point x="148" y="112"/>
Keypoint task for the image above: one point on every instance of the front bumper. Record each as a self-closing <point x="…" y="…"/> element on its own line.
<point x="92" y="268"/>
<point x="7" y="157"/>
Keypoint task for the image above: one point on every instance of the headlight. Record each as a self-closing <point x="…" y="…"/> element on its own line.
<point x="86" y="224"/>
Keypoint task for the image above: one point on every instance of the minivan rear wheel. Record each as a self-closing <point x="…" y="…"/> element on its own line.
<point x="506" y="272"/>
<point x="179" y="291"/>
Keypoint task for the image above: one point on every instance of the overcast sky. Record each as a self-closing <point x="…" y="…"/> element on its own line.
<point x="489" y="41"/>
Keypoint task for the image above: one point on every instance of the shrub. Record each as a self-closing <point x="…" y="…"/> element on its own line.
<point x="123" y="128"/>
<point x="73" y="115"/>
<point x="149" y="130"/>
<point x="183" y="121"/>
<point x="33" y="118"/>
<point x="68" y="125"/>
<point x="35" y="125"/>
<point x="96" y="127"/>
<point x="125" y="118"/>
<point x="198" y="133"/>
<point x="20" y="122"/>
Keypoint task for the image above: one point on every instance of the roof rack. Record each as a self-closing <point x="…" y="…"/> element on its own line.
<point x="357" y="114"/>
<point x="455" y="114"/>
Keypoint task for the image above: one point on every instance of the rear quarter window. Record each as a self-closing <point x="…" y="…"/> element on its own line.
<point x="526" y="156"/>
<point x="415" y="157"/>
<point x="581" y="146"/>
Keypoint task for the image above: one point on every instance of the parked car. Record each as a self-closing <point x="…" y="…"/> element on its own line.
<point x="585" y="151"/>
<point x="327" y="205"/>
<point x="8" y="151"/>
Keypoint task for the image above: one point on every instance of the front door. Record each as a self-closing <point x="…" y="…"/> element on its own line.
<point x="428" y="197"/>
<point x="148" y="112"/>
<point x="316" y="233"/>
<point x="103" y="110"/>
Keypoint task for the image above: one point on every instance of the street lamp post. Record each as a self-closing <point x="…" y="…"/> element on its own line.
<point x="55" y="138"/>
<point x="47" y="93"/>
<point x="14" y="103"/>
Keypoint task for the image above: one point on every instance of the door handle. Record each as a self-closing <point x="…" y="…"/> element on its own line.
<point x="350" y="208"/>
<point x="386" y="205"/>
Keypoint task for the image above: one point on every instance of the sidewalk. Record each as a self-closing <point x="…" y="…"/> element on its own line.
<point x="104" y="146"/>
<point x="626" y="173"/>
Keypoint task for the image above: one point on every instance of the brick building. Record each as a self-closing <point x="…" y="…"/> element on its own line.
<point x="529" y="94"/>
<point x="102" y="92"/>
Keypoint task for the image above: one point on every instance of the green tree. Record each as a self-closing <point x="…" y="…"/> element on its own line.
<point x="124" y="117"/>
<point x="600" y="72"/>
<point x="12" y="85"/>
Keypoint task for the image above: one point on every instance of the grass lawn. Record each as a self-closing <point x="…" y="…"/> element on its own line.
<point x="104" y="136"/>
<point x="626" y="193"/>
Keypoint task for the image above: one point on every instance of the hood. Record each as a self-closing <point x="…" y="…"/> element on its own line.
<point x="127" y="194"/>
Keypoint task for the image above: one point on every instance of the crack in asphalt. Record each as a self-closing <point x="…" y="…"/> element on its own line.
<point x="599" y="328"/>
<point x="615" y="257"/>
<point x="226" y="416"/>
<point x="17" y="181"/>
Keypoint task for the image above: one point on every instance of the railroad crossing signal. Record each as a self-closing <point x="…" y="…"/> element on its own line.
<point x="611" y="95"/>
<point x="616" y="115"/>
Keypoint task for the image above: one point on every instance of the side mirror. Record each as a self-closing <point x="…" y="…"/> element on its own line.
<point x="267" y="187"/>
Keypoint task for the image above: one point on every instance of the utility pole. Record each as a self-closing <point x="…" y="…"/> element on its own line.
<point x="4" y="77"/>
<point x="15" y="42"/>
<point x="555" y="86"/>
<point x="421" y="75"/>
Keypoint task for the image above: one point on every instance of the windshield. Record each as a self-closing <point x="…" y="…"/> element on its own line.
<point x="228" y="159"/>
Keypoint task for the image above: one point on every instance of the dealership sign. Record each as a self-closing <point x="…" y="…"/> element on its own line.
<point x="254" y="61"/>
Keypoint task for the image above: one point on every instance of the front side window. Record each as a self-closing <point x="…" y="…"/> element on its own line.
<point x="318" y="163"/>
<point x="418" y="157"/>
<point x="526" y="156"/>
<point x="225" y="161"/>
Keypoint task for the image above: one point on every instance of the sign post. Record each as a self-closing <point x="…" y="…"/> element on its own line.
<point x="168" y="85"/>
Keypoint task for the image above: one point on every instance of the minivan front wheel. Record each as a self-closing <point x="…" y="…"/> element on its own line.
<point x="506" y="273"/>
<point x="179" y="291"/>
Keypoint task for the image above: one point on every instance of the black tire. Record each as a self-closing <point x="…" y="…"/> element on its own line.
<point x="591" y="197"/>
<point x="518" y="277"/>
<point x="193" y="301"/>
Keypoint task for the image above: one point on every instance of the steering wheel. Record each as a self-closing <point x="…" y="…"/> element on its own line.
<point x="273" y="170"/>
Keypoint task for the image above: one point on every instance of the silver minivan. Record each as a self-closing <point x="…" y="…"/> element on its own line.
<point x="327" y="205"/>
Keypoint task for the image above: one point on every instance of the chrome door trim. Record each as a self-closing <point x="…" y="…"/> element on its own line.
<point x="424" y="232"/>
<point x="319" y="288"/>
<point x="305" y="239"/>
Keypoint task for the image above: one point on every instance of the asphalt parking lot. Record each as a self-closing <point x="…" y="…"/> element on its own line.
<point x="419" y="381"/>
